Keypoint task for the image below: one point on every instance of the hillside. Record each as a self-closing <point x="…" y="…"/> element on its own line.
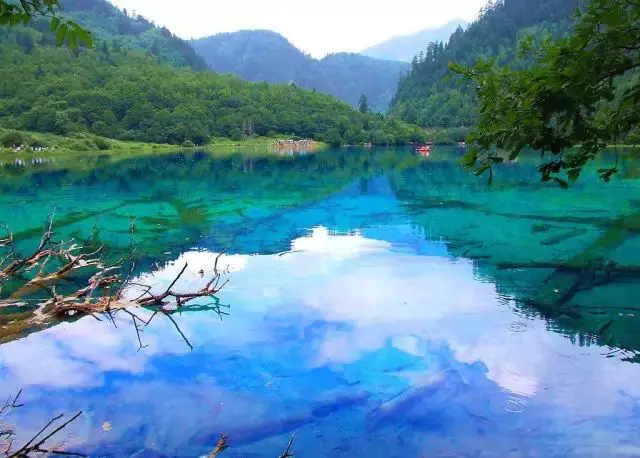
<point x="123" y="30"/>
<point x="404" y="48"/>
<point x="260" y="55"/>
<point x="117" y="92"/>
<point x="427" y="98"/>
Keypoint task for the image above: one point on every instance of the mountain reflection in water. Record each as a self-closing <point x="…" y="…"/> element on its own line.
<point x="380" y="305"/>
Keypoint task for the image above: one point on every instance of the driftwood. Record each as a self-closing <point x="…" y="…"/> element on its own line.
<point x="53" y="266"/>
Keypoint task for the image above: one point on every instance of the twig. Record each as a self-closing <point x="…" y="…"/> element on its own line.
<point x="138" y="330"/>
<point x="168" y="315"/>
<point x="288" y="453"/>
<point x="28" y="448"/>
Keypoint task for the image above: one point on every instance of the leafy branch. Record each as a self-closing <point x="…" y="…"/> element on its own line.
<point x="571" y="99"/>
<point x="24" y="11"/>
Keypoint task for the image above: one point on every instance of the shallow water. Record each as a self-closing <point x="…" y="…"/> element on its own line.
<point x="380" y="304"/>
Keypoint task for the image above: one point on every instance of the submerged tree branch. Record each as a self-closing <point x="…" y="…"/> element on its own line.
<point x="35" y="445"/>
<point x="53" y="267"/>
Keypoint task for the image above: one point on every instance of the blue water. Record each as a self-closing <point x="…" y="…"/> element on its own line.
<point x="371" y="311"/>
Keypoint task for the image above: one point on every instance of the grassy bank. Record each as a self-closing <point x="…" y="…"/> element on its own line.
<point x="16" y="142"/>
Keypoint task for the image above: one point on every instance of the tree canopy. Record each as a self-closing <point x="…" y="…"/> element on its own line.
<point x="575" y="96"/>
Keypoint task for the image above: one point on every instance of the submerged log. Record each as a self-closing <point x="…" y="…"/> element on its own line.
<point x="401" y="404"/>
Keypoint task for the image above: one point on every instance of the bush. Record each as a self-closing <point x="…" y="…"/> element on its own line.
<point x="236" y="135"/>
<point x="188" y="144"/>
<point x="11" y="138"/>
<point x="35" y="143"/>
<point x="102" y="144"/>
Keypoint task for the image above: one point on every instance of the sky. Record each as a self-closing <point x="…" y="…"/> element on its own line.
<point x="317" y="27"/>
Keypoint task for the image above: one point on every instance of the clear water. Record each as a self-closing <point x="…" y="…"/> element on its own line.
<point x="380" y="304"/>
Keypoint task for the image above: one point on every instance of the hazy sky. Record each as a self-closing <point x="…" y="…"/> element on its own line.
<point x="317" y="27"/>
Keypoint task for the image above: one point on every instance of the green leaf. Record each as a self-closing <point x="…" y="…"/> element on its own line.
<point x="62" y="33"/>
<point x="85" y="36"/>
<point x="55" y="22"/>
<point x="73" y="39"/>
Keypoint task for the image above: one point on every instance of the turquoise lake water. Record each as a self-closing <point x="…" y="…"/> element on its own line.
<point x="380" y="304"/>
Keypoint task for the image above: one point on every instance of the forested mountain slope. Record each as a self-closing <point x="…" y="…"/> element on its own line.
<point x="261" y="55"/>
<point x="129" y="31"/>
<point x="405" y="47"/>
<point x="427" y="98"/>
<point x="119" y="92"/>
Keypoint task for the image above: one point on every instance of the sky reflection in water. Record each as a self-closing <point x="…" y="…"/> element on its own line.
<point x="346" y="340"/>
<point x="376" y="341"/>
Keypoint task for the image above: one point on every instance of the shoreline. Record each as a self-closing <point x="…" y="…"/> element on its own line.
<point x="37" y="144"/>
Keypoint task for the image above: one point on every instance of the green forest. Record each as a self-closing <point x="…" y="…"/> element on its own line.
<point x="132" y="32"/>
<point x="140" y="83"/>
<point x="430" y="96"/>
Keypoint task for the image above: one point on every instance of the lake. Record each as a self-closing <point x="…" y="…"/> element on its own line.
<point x="379" y="304"/>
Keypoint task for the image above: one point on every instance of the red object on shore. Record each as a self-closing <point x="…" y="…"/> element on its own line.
<point x="424" y="150"/>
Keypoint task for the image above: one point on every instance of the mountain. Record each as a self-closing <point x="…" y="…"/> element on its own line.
<point x="406" y="47"/>
<point x="125" y="89"/>
<point x="133" y="32"/>
<point x="261" y="55"/>
<point x="425" y="97"/>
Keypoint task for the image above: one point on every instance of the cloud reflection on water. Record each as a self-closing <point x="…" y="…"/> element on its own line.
<point x="338" y="311"/>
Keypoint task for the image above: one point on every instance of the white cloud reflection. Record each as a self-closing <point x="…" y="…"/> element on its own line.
<point x="380" y="297"/>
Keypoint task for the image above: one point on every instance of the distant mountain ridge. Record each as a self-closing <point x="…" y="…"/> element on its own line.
<point x="262" y="55"/>
<point x="406" y="47"/>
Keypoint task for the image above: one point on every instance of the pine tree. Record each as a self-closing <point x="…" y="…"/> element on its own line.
<point x="363" y="104"/>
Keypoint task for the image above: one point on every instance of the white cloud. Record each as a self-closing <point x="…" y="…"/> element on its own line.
<point x="315" y="27"/>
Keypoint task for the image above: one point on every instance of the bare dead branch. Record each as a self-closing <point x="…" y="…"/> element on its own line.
<point x="209" y="290"/>
<point x="41" y="251"/>
<point x="11" y="404"/>
<point x="104" y="293"/>
<point x="221" y="446"/>
<point x="37" y="447"/>
<point x="168" y="315"/>
<point x="58" y="452"/>
<point x="138" y="331"/>
<point x="288" y="453"/>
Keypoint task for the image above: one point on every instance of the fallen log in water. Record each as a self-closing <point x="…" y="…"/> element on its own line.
<point x="400" y="405"/>
<point x="249" y="433"/>
<point x="572" y="267"/>
<point x="49" y="269"/>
